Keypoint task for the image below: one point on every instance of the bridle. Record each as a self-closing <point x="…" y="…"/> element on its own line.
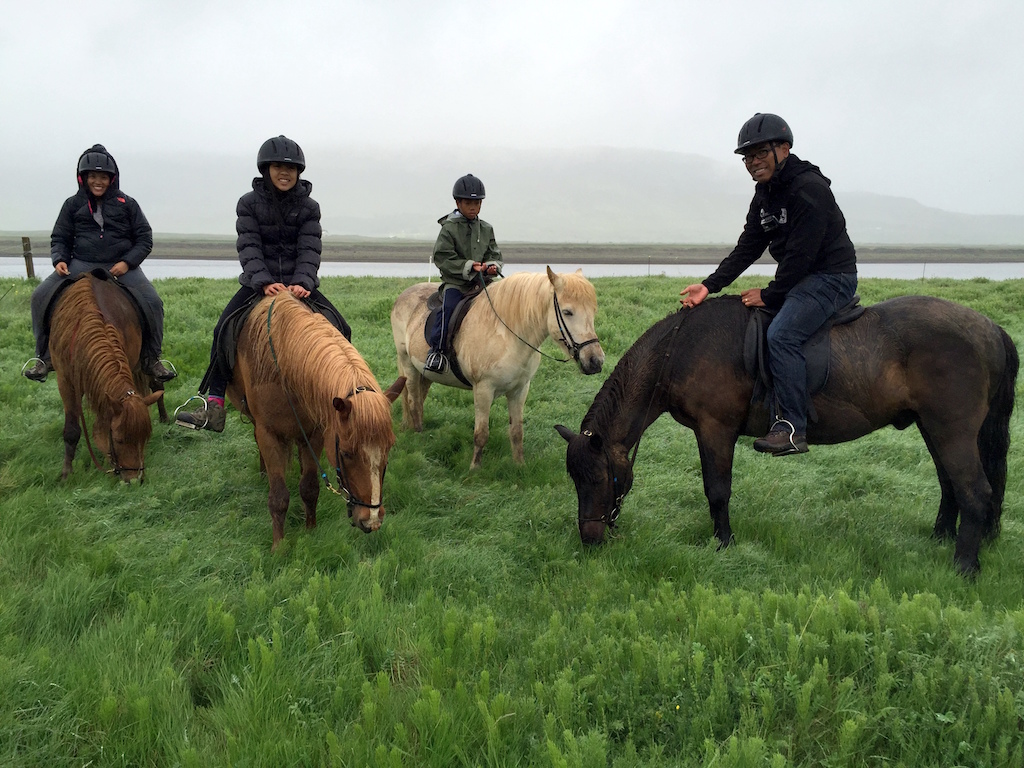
<point x="351" y="500"/>
<point x="611" y="516"/>
<point x="566" y="336"/>
<point x="570" y="343"/>
<point x="116" y="467"/>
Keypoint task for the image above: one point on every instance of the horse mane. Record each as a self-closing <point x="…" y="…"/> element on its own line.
<point x="317" y="364"/>
<point x="524" y="297"/>
<point x="711" y="321"/>
<point x="100" y="369"/>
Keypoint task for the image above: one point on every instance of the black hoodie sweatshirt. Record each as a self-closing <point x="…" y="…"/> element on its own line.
<point x="794" y="215"/>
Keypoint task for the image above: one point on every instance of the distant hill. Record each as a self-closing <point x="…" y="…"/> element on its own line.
<point x="595" y="195"/>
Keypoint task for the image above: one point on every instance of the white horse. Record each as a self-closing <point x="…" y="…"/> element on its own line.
<point x="497" y="345"/>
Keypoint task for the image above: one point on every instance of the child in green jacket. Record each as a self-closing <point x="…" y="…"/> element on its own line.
<point x="466" y="253"/>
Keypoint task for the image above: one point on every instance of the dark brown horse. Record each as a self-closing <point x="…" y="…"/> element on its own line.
<point x="95" y="340"/>
<point x="911" y="360"/>
<point x="302" y="383"/>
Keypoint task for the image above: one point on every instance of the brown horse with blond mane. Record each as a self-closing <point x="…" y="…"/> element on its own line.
<point x="302" y="383"/>
<point x="95" y="342"/>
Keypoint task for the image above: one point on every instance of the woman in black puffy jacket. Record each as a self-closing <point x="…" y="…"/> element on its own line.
<point x="100" y="227"/>
<point x="279" y="248"/>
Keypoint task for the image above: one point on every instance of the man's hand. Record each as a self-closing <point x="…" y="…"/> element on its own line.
<point x="752" y="298"/>
<point x="62" y="268"/>
<point x="119" y="269"/>
<point x="693" y="294"/>
<point x="298" y="291"/>
<point x="274" y="288"/>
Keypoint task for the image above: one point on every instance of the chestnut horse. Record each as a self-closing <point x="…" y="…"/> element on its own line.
<point x="910" y="360"/>
<point x="497" y="345"/>
<point x="301" y="382"/>
<point x="95" y="341"/>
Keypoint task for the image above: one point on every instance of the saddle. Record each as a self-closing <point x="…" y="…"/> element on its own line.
<point x="145" y="322"/>
<point x="458" y="315"/>
<point x="817" y="351"/>
<point x="225" y="343"/>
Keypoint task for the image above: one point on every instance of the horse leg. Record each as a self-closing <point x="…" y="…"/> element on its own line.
<point x="414" y="393"/>
<point x="945" y="521"/>
<point x="956" y="449"/>
<point x="309" y="483"/>
<point x="717" y="447"/>
<point x="72" y="423"/>
<point x="274" y="453"/>
<point x="483" y="398"/>
<point x="516" y="400"/>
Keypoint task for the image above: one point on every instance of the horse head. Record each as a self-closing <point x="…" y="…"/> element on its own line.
<point x="360" y="439"/>
<point x="123" y="434"/>
<point x="571" y="319"/>
<point x="602" y="477"/>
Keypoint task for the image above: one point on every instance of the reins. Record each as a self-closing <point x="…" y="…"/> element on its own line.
<point x="351" y="501"/>
<point x="567" y="337"/>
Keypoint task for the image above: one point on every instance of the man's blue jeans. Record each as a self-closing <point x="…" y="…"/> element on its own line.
<point x="808" y="305"/>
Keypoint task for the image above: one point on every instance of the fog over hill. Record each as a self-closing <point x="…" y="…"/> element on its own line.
<point x="590" y="195"/>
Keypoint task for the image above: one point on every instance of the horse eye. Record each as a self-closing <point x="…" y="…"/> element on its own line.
<point x="567" y="312"/>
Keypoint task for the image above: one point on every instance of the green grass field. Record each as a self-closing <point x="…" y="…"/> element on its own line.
<point x="151" y="625"/>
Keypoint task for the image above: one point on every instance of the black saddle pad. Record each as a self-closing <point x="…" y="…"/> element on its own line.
<point x="225" y="343"/>
<point x="817" y="350"/>
<point x="97" y="274"/>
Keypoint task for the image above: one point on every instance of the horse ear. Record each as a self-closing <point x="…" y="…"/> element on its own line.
<point x="565" y="432"/>
<point x="596" y="443"/>
<point x="395" y="389"/>
<point x="551" y="275"/>
<point x="343" y="406"/>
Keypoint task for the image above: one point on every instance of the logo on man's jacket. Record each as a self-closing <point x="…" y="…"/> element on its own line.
<point x="770" y="221"/>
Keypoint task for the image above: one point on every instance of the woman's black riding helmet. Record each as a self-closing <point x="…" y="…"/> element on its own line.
<point x="280" y="149"/>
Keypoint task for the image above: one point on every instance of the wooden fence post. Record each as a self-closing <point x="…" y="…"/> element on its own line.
<point x="26" y="246"/>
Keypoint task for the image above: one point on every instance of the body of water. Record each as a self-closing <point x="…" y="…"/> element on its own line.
<point x="164" y="268"/>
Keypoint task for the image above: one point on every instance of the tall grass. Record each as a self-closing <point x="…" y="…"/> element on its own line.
<point x="152" y="625"/>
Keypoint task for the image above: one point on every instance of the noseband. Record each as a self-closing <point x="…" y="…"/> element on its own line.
<point x="570" y="343"/>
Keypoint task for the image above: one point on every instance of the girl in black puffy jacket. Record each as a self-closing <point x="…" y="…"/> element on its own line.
<point x="279" y="248"/>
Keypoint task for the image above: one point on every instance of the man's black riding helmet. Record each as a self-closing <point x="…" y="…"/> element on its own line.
<point x="469" y="187"/>
<point x="280" y="150"/>
<point x="763" y="127"/>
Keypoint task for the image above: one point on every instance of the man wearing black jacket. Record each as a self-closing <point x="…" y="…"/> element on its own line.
<point x="793" y="215"/>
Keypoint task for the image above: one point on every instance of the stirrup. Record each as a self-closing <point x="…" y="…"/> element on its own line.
<point x="169" y="366"/>
<point x="206" y="406"/>
<point x="31" y="362"/>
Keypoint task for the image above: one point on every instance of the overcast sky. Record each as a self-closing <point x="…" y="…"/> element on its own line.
<point x="914" y="99"/>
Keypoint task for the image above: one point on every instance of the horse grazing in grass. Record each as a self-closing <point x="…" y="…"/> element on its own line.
<point x="910" y="360"/>
<point x="301" y="382"/>
<point x="95" y="341"/>
<point x="497" y="345"/>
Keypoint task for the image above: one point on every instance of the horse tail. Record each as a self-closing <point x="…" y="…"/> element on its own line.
<point x="994" y="437"/>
